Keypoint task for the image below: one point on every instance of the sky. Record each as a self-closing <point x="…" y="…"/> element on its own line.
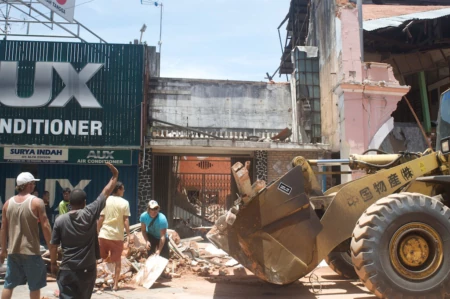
<point x="206" y="39"/>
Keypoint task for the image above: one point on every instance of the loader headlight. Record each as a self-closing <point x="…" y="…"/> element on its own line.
<point x="445" y="145"/>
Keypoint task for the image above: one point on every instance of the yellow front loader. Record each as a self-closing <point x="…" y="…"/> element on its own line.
<point x="390" y="228"/>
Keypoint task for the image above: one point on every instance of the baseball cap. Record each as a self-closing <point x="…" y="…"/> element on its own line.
<point x="25" y="177"/>
<point x="153" y="204"/>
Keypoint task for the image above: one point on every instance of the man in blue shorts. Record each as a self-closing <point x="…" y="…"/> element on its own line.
<point x="20" y="239"/>
<point x="154" y="230"/>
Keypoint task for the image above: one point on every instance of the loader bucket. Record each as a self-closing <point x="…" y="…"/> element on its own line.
<point x="273" y="235"/>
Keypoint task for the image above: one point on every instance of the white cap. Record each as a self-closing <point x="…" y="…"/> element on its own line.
<point x="25" y="177"/>
<point x="153" y="204"/>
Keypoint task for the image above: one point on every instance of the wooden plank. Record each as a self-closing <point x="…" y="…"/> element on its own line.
<point x="195" y="239"/>
<point x="174" y="248"/>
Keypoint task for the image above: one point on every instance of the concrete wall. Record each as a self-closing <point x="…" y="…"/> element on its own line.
<point x="145" y="183"/>
<point x="323" y="34"/>
<point x="153" y="62"/>
<point x="216" y="104"/>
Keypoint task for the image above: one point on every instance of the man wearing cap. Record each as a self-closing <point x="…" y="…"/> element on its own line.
<point x="20" y="239"/>
<point x="76" y="231"/>
<point x="154" y="230"/>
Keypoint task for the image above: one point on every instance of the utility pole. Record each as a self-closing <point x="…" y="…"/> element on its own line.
<point x="161" y="5"/>
<point x="160" y="26"/>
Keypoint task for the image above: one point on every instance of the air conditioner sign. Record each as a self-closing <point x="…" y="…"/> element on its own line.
<point x="100" y="156"/>
<point x="75" y="88"/>
<point x="93" y="156"/>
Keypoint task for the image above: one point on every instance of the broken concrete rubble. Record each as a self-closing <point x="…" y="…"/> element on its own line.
<point x="187" y="257"/>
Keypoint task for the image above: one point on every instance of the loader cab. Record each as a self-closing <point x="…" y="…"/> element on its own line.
<point x="443" y="126"/>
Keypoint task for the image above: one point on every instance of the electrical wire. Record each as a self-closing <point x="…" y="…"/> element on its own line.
<point x="314" y="280"/>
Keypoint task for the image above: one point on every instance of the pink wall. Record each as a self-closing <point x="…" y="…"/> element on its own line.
<point x="370" y="92"/>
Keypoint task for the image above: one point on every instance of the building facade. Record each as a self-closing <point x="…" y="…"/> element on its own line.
<point x="66" y="109"/>
<point x="198" y="128"/>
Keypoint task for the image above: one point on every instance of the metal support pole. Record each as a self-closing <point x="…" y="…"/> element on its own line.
<point x="425" y="105"/>
<point x="203" y="196"/>
<point x="6" y="19"/>
<point x="324" y="180"/>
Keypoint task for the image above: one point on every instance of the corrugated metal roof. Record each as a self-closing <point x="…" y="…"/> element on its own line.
<point x="399" y="20"/>
<point x="376" y="11"/>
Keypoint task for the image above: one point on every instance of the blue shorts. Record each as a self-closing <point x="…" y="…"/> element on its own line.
<point x="23" y="268"/>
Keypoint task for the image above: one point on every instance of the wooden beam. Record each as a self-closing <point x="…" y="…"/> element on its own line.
<point x="439" y="83"/>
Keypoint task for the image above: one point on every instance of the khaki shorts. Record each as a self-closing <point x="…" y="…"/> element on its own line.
<point x="113" y="248"/>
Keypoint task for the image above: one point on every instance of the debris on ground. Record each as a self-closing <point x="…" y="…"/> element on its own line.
<point x="154" y="266"/>
<point x="187" y="257"/>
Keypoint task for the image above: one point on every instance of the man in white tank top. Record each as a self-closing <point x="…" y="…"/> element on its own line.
<point x="20" y="239"/>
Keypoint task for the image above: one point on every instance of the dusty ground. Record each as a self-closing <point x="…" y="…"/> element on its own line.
<point x="240" y="285"/>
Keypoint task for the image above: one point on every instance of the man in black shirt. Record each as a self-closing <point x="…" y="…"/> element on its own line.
<point x="76" y="231"/>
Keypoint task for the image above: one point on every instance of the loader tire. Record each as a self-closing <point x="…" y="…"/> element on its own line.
<point x="341" y="263"/>
<point x="401" y="247"/>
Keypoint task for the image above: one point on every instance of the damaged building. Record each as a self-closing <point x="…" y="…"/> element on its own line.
<point x="198" y="128"/>
<point x="350" y="75"/>
<point x="372" y="60"/>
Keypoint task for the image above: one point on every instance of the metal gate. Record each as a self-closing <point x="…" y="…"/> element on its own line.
<point x="201" y="197"/>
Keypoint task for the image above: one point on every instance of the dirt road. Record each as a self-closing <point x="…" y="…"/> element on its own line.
<point x="323" y="284"/>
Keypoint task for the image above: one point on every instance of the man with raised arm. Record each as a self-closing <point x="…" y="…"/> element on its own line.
<point x="76" y="231"/>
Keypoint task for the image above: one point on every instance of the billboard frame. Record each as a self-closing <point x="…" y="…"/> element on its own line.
<point x="74" y="30"/>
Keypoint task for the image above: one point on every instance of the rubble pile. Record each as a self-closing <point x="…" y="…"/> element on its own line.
<point x="187" y="257"/>
<point x="212" y="212"/>
<point x="194" y="206"/>
<point x="191" y="259"/>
